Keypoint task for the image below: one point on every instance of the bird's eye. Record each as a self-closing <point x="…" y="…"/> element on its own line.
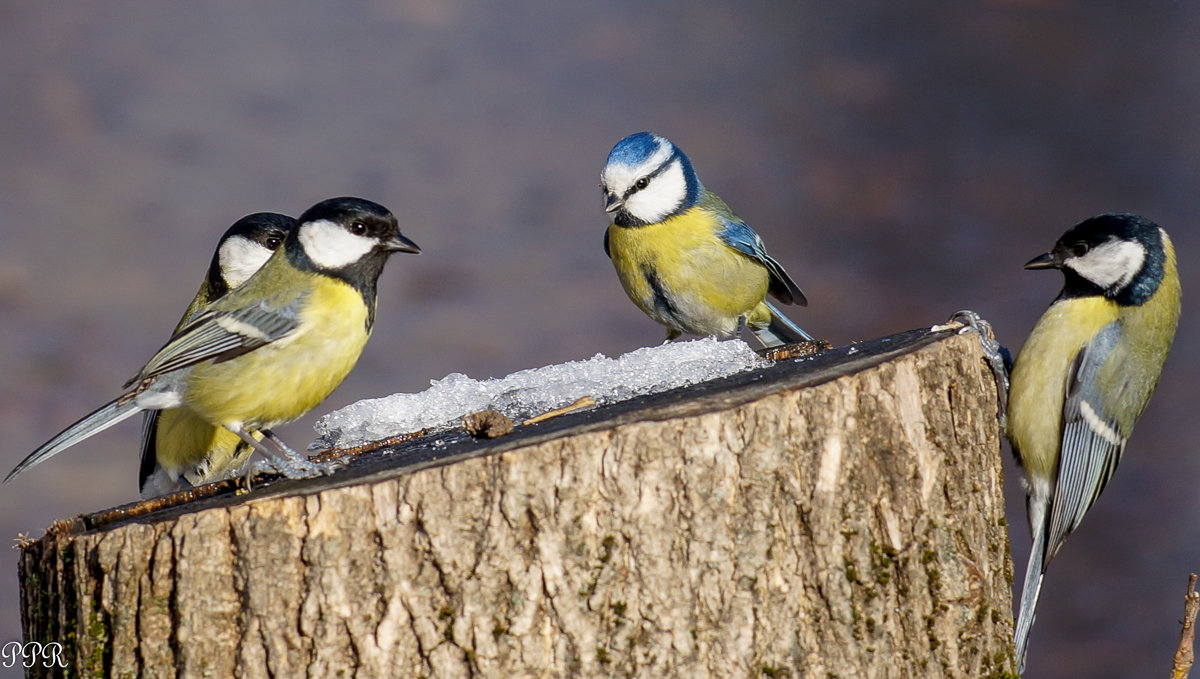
<point x="1079" y="249"/>
<point x="642" y="183"/>
<point x="273" y="243"/>
<point x="358" y="228"/>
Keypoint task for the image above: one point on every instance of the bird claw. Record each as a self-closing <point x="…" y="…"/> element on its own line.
<point x="281" y="459"/>
<point x="997" y="356"/>
<point x="292" y="464"/>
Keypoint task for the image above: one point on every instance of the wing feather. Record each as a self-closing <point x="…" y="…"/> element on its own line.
<point x="222" y="335"/>
<point x="1092" y="441"/>
<point x="739" y="236"/>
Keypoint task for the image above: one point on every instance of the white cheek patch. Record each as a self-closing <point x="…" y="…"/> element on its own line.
<point x="1110" y="265"/>
<point x="330" y="246"/>
<point x="240" y="257"/>
<point x="661" y="197"/>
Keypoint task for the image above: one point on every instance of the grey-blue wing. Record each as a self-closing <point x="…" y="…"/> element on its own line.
<point x="222" y="335"/>
<point x="739" y="236"/>
<point x="1092" y="441"/>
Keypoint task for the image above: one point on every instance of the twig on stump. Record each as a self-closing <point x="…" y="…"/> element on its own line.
<point x="1185" y="654"/>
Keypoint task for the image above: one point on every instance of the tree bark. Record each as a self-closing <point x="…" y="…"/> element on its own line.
<point x="837" y="516"/>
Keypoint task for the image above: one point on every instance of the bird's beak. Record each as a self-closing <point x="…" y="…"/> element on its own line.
<point x="1044" y="261"/>
<point x="399" y="243"/>
<point x="612" y="203"/>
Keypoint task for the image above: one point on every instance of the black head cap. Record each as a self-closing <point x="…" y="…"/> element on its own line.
<point x="268" y="229"/>
<point x="370" y="219"/>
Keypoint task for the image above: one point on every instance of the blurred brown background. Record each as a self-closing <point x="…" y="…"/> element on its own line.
<point x="903" y="160"/>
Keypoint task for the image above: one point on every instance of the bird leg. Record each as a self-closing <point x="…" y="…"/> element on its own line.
<point x="280" y="457"/>
<point x="997" y="356"/>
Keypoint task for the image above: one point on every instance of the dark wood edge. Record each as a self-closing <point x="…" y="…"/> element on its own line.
<point x="446" y="448"/>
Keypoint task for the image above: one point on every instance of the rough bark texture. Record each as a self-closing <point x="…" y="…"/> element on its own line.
<point x="854" y="528"/>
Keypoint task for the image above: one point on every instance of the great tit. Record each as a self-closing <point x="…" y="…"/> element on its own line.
<point x="271" y="350"/>
<point x="178" y="444"/>
<point x="683" y="257"/>
<point x="1084" y="376"/>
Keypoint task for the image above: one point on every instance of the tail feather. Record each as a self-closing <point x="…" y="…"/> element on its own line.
<point x="780" y="331"/>
<point x="1034" y="573"/>
<point x="148" y="447"/>
<point x="97" y="421"/>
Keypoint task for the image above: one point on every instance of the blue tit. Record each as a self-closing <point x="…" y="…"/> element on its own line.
<point x="180" y="449"/>
<point x="1084" y="376"/>
<point x="683" y="257"/>
<point x="271" y="350"/>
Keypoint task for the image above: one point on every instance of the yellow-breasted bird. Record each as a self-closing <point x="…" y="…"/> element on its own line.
<point x="683" y="257"/>
<point x="1084" y="376"/>
<point x="271" y="350"/>
<point x="179" y="448"/>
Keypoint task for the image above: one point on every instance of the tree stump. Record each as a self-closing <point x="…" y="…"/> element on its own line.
<point x="834" y="516"/>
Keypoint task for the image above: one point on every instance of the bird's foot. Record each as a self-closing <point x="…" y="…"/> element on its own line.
<point x="292" y="464"/>
<point x="280" y="458"/>
<point x="998" y="358"/>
